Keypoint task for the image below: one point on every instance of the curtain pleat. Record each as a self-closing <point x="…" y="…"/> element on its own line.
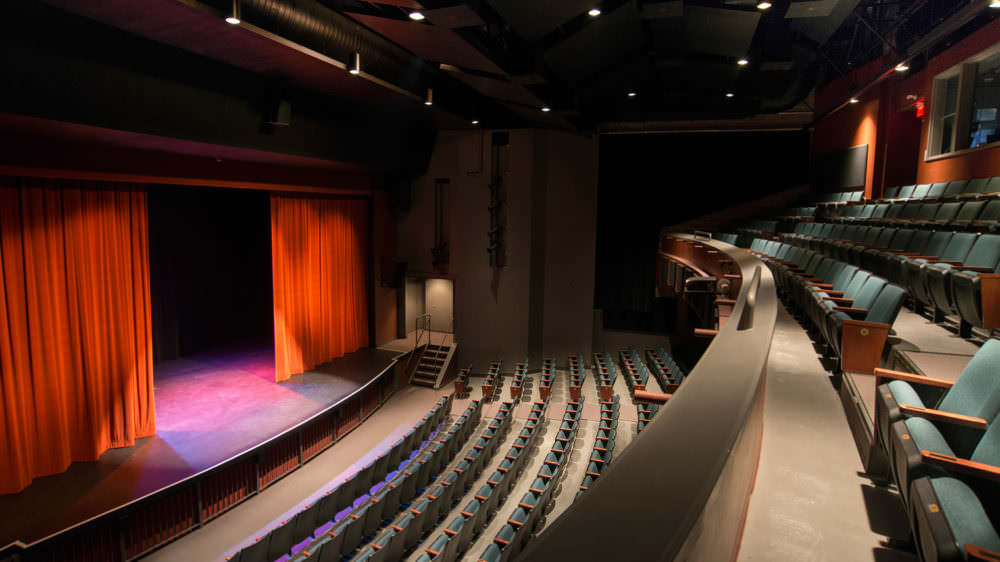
<point x="75" y="338"/>
<point x="319" y="255"/>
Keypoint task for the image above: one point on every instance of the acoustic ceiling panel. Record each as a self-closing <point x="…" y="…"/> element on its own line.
<point x="454" y="17"/>
<point x="811" y="9"/>
<point x="499" y="89"/>
<point x="660" y="10"/>
<point x="600" y="44"/>
<point x="534" y="18"/>
<point x="430" y="42"/>
<point x="713" y="31"/>
<point x="831" y="14"/>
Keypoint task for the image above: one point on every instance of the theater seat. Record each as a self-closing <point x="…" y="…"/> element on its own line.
<point x="859" y="338"/>
<point x="946" y="516"/>
<point x="983" y="257"/>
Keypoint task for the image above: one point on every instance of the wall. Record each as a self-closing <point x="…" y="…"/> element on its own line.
<point x="414" y="298"/>
<point x="885" y="119"/>
<point x="439" y="300"/>
<point x="541" y="301"/>
<point x="383" y="245"/>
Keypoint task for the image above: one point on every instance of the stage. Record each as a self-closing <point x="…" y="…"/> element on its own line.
<point x="209" y="407"/>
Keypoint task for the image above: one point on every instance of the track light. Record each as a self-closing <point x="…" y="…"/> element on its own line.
<point x="763" y="5"/>
<point x="356" y="64"/>
<point x="475" y="121"/>
<point x="743" y="61"/>
<point x="546" y="109"/>
<point x="416" y="16"/>
<point x="902" y="67"/>
<point x="430" y="97"/>
<point x="234" y="17"/>
<point x="730" y="94"/>
<point x="594" y="12"/>
<point x="632" y="94"/>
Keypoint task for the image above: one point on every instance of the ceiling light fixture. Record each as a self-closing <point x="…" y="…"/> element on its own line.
<point x="475" y="121"/>
<point x="546" y="109"/>
<point x="743" y="61"/>
<point x="854" y="100"/>
<point x="730" y="94"/>
<point x="594" y="12"/>
<point x="763" y="5"/>
<point x="632" y="94"/>
<point x="902" y="67"/>
<point x="995" y="4"/>
<point x="430" y="97"/>
<point x="234" y="17"/>
<point x="416" y="16"/>
<point x="356" y="64"/>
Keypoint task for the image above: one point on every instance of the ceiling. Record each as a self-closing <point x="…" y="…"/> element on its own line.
<point x="501" y="61"/>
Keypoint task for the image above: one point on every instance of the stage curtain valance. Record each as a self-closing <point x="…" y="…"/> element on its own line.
<point x="75" y="342"/>
<point x="320" y="258"/>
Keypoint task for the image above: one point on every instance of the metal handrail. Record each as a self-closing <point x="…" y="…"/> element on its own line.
<point x="420" y="332"/>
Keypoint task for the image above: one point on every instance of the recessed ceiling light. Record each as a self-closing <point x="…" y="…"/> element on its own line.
<point x="232" y="20"/>
<point x="632" y="94"/>
<point x="546" y="109"/>
<point x="430" y="97"/>
<point x="743" y="62"/>
<point x="594" y="12"/>
<point x="902" y="67"/>
<point x="475" y="121"/>
<point x="416" y="16"/>
<point x="763" y="5"/>
<point x="854" y="100"/>
<point x="730" y="94"/>
<point x="234" y="16"/>
<point x="995" y="4"/>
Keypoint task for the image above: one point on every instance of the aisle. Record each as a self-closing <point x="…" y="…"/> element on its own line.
<point x="810" y="503"/>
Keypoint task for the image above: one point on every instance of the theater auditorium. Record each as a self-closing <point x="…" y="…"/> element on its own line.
<point x="496" y="280"/>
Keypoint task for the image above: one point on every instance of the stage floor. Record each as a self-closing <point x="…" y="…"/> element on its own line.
<point x="209" y="407"/>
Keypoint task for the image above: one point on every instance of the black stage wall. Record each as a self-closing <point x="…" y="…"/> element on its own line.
<point x="650" y="181"/>
<point x="210" y="269"/>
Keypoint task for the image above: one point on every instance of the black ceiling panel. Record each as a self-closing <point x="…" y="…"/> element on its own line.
<point x="598" y="45"/>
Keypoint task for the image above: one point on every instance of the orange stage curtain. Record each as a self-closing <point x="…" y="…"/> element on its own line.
<point x="76" y="370"/>
<point x="319" y="256"/>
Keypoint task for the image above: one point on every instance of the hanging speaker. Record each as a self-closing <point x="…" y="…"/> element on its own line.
<point x="281" y="114"/>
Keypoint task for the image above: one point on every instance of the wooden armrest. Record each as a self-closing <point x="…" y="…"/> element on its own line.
<point x="956" y="464"/>
<point x="705" y="333"/>
<point x="833" y="293"/>
<point x="822" y="285"/>
<point x="910" y="377"/>
<point x="974" y="268"/>
<point x="647" y="397"/>
<point x="852" y="311"/>
<point x="938" y="415"/>
<point x="980" y="554"/>
<point x="949" y="262"/>
<point x="906" y="254"/>
<point x="839" y="300"/>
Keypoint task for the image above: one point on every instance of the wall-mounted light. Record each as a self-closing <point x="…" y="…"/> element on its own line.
<point x="234" y="16"/>
<point x="902" y="67"/>
<point x="356" y="64"/>
<point x="416" y="16"/>
<point x="995" y="4"/>
<point x="546" y="109"/>
<point x="763" y="5"/>
<point x="743" y="61"/>
<point x="430" y="97"/>
<point x="594" y="12"/>
<point x="854" y="100"/>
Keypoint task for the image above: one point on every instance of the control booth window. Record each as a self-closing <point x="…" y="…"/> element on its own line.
<point x="964" y="104"/>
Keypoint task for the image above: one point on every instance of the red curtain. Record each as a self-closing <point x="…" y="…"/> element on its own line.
<point x="319" y="256"/>
<point x="76" y="369"/>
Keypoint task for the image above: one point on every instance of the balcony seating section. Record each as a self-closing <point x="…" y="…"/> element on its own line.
<point x="517" y="383"/>
<point x="521" y="523"/>
<point x="577" y="374"/>
<point x="314" y="518"/>
<point x="493" y="380"/>
<point x="606" y="374"/>
<point x="604" y="444"/>
<point x="457" y="534"/>
<point x="342" y="535"/>
<point x="462" y="381"/>
<point x="850" y="309"/>
<point x="547" y="377"/>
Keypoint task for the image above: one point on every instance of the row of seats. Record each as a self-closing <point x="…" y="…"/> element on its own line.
<point x="577" y="374"/>
<point x="942" y="439"/>
<point x="301" y="528"/>
<point x="606" y="373"/>
<point x="492" y="380"/>
<point x="944" y="190"/>
<point x="604" y="444"/>
<point x="943" y="270"/>
<point x="645" y="413"/>
<point x="457" y="535"/>
<point x="850" y="308"/>
<point x="344" y="535"/>
<point x="462" y="381"/>
<point x="547" y="377"/>
<point x="512" y="537"/>
<point x="520" y="371"/>
<point x="798" y="212"/>
<point x="978" y="215"/>
<point x="636" y="373"/>
<point x="841" y="197"/>
<point x="665" y="369"/>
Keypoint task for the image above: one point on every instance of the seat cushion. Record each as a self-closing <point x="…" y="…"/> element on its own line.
<point x="966" y="516"/>
<point x="926" y="437"/>
<point x="905" y="394"/>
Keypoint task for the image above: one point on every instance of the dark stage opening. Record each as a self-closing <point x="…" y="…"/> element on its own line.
<point x="210" y="271"/>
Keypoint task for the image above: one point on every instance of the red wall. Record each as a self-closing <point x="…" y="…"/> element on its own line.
<point x="884" y="119"/>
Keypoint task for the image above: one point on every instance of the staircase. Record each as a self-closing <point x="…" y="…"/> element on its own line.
<point x="433" y="365"/>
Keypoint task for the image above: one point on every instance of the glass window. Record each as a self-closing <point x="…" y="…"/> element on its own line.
<point x="949" y="109"/>
<point x="985" y="101"/>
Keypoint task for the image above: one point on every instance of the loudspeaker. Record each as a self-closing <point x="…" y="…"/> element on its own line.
<point x="281" y="114"/>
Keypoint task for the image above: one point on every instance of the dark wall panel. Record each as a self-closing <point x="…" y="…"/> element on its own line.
<point x="648" y="182"/>
<point x="210" y="269"/>
<point x="842" y="170"/>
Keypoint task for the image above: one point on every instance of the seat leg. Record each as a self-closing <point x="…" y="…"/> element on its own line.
<point x="964" y="329"/>
<point x="938" y="315"/>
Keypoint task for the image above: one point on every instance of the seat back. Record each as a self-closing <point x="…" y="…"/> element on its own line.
<point x="901" y="239"/>
<point x="988" y="449"/>
<point x="867" y="211"/>
<point x="956" y="187"/>
<point x="976" y="392"/>
<point x="919" y="241"/>
<point x="853" y="288"/>
<point x="868" y="293"/>
<point x="959" y="245"/>
<point x="937" y="189"/>
<point x="886" y="306"/>
<point x="947" y="212"/>
<point x="884" y="238"/>
<point x="910" y="209"/>
<point x="880" y="210"/>
<point x="985" y="252"/>
<point x="872" y="235"/>
<point x="855" y="196"/>
<point x="890" y="192"/>
<point x="937" y="243"/>
<point x="843" y="277"/>
<point x="970" y="210"/>
<point x="993" y="186"/>
<point x="991" y="212"/>
<point x="894" y="211"/>
<point x="977" y="185"/>
<point x="906" y="191"/>
<point x="927" y="211"/>
<point x="920" y="191"/>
